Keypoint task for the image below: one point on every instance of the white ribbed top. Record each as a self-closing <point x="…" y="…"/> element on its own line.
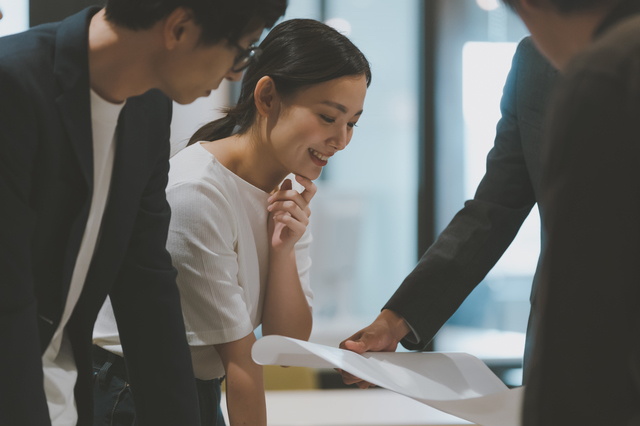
<point x="219" y="244"/>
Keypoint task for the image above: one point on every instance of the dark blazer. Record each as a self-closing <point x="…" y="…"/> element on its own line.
<point x="46" y="173"/>
<point x="480" y="233"/>
<point x="585" y="366"/>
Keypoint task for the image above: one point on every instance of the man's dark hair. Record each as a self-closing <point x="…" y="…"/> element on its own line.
<point x="567" y="6"/>
<point x="219" y="19"/>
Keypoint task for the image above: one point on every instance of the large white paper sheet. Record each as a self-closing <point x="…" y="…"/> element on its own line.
<point x="456" y="383"/>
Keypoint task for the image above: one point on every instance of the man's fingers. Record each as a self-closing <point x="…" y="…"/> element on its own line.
<point x="357" y="346"/>
<point x="353" y="338"/>
<point x="350" y="379"/>
<point x="365" y="385"/>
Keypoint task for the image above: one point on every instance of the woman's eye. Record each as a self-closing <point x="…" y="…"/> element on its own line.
<point x="352" y="125"/>
<point x="328" y="119"/>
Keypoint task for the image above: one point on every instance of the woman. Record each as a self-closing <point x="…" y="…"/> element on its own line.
<point x="238" y="234"/>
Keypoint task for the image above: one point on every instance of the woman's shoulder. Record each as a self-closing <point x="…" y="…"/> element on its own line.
<point x="194" y="166"/>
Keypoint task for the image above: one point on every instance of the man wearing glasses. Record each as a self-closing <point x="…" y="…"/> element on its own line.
<point x="84" y="146"/>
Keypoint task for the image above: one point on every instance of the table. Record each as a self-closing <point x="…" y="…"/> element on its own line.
<point x="350" y="407"/>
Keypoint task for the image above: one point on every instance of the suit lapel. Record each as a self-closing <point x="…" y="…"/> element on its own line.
<point x="129" y="166"/>
<point x="71" y="71"/>
<point x="130" y="173"/>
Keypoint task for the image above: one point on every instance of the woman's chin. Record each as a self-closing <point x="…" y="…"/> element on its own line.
<point x="311" y="174"/>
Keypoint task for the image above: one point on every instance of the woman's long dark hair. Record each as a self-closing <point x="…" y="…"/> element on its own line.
<point x="295" y="54"/>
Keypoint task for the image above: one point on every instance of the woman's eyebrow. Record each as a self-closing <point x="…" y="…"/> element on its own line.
<point x="339" y="107"/>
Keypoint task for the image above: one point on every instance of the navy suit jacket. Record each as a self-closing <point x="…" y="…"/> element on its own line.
<point x="46" y="182"/>
<point x="481" y="232"/>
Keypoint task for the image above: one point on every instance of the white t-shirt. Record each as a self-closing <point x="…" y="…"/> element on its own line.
<point x="59" y="366"/>
<point x="219" y="244"/>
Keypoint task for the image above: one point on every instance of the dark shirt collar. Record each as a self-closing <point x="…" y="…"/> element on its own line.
<point x="621" y="11"/>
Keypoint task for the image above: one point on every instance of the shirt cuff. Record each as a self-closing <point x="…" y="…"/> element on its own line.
<point x="412" y="336"/>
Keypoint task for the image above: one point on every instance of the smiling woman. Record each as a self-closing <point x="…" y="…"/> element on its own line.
<point x="298" y="107"/>
<point x="239" y="231"/>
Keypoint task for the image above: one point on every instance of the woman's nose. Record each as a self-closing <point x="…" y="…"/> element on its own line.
<point x="340" y="140"/>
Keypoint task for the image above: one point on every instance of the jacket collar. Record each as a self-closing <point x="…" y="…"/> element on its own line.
<point x="71" y="70"/>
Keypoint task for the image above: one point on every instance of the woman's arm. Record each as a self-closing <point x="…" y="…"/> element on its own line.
<point x="286" y="311"/>
<point x="245" y="390"/>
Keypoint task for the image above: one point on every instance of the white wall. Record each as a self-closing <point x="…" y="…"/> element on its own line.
<point x="189" y="118"/>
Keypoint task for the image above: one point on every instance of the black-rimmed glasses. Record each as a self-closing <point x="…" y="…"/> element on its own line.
<point x="246" y="57"/>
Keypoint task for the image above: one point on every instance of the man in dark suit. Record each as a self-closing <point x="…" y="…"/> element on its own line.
<point x="481" y="232"/>
<point x="84" y="147"/>
<point x="585" y="366"/>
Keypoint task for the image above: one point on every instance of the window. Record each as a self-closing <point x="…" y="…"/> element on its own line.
<point x="476" y="44"/>
<point x="16" y="16"/>
<point x="365" y="213"/>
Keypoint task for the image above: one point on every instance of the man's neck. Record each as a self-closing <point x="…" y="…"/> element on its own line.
<point x="570" y="35"/>
<point x="119" y="60"/>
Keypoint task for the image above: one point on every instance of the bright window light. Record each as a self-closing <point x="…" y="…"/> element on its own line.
<point x="485" y="67"/>
<point x="15" y="16"/>
<point x="488" y="5"/>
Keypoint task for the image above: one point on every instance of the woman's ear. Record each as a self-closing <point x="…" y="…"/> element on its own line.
<point x="265" y="96"/>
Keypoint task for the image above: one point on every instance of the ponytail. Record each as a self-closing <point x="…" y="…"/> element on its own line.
<point x="218" y="129"/>
<point x="241" y="115"/>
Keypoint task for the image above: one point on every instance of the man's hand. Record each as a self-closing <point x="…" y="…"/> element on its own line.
<point x="383" y="335"/>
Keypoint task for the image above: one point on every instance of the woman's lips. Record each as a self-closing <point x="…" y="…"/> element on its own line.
<point x="318" y="158"/>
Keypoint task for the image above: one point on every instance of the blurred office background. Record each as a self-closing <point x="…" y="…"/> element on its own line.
<point x="418" y="152"/>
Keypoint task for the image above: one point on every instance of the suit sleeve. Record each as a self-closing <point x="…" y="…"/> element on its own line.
<point x="22" y="398"/>
<point x="146" y="305"/>
<point x="586" y="354"/>
<point x="477" y="236"/>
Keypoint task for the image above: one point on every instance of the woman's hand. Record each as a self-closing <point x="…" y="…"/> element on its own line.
<point x="289" y="214"/>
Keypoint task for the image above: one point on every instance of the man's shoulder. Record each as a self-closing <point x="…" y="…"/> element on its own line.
<point x="531" y="61"/>
<point x="26" y="58"/>
<point x="29" y="47"/>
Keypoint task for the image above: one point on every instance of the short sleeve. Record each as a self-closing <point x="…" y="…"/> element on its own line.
<point x="203" y="245"/>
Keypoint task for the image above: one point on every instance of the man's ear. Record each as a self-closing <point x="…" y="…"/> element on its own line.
<point x="179" y="26"/>
<point x="265" y="96"/>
